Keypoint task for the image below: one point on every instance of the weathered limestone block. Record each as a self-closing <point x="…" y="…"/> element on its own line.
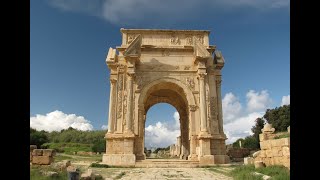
<point x="263" y="153"/>
<point x="277" y="151"/>
<point x="259" y="164"/>
<point x="265" y="144"/>
<point x="286" y="151"/>
<point x="248" y="160"/>
<point x="267" y="128"/>
<point x="48" y="152"/>
<point x="42" y="160"/>
<point x="256" y="154"/>
<point x="267" y="161"/>
<point x="269" y="153"/>
<point x="37" y="152"/>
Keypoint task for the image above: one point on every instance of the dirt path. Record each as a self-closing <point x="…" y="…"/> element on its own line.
<point x="160" y="173"/>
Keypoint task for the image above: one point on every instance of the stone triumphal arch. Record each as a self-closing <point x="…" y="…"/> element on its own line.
<point x="177" y="67"/>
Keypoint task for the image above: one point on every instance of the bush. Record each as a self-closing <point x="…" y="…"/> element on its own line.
<point x="99" y="165"/>
<point x="69" y="148"/>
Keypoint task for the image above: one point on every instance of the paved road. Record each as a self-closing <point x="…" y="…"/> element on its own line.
<point x="162" y="173"/>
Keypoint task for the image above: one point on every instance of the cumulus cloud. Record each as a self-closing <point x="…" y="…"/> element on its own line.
<point x="57" y="120"/>
<point x="231" y="107"/>
<point x="238" y="121"/>
<point x="241" y="126"/>
<point x="285" y="100"/>
<point x="120" y="11"/>
<point x="258" y="101"/>
<point x="104" y="127"/>
<point x="162" y="134"/>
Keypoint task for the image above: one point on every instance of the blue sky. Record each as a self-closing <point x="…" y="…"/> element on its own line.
<point x="69" y="40"/>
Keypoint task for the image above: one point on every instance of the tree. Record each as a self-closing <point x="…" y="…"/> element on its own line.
<point x="38" y="137"/>
<point x="99" y="146"/>
<point x="278" y="117"/>
<point x="256" y="129"/>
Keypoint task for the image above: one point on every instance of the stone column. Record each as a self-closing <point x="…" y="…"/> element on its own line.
<point x="129" y="103"/>
<point x="203" y="107"/>
<point x="111" y="105"/>
<point x="218" y="84"/>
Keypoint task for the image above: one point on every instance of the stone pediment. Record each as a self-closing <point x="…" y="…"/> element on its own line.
<point x="134" y="48"/>
<point x="201" y="51"/>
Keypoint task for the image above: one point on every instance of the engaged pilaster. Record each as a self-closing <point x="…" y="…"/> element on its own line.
<point x="128" y="128"/>
<point x="218" y="83"/>
<point x="111" y="105"/>
<point x="203" y="107"/>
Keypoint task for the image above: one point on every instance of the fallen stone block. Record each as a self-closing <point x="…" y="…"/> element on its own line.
<point x="37" y="152"/>
<point x="248" y="160"/>
<point x="259" y="164"/>
<point x="42" y="160"/>
<point x="48" y="152"/>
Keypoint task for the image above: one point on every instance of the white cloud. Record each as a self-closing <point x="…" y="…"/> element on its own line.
<point x="125" y="11"/>
<point x="57" y="120"/>
<point x="285" y="100"/>
<point x="104" y="127"/>
<point x="258" y="101"/>
<point x="231" y="107"/>
<point x="238" y="122"/>
<point x="162" y="134"/>
<point x="241" y="127"/>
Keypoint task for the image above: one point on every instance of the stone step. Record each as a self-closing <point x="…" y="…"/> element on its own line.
<point x="165" y="163"/>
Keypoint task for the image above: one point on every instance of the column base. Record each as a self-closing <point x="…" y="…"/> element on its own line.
<point x="119" y="159"/>
<point x="141" y="156"/>
<point x="193" y="157"/>
<point x="214" y="159"/>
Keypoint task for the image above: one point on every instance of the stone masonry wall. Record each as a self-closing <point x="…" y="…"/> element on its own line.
<point x="41" y="156"/>
<point x="273" y="151"/>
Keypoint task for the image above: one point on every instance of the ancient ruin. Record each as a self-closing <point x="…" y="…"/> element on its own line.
<point x="274" y="150"/>
<point x="177" y="67"/>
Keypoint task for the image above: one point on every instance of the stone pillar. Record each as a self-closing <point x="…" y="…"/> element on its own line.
<point x="129" y="103"/>
<point x="203" y="107"/>
<point x="218" y="85"/>
<point x="192" y="137"/>
<point x="111" y="106"/>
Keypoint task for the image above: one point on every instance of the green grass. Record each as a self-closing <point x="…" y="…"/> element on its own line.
<point x="276" y="172"/>
<point x="120" y="175"/>
<point x="61" y="157"/>
<point x="69" y="148"/>
<point x="35" y="173"/>
<point x="99" y="165"/>
<point x="245" y="172"/>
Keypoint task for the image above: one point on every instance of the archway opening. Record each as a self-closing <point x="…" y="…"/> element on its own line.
<point x="162" y="130"/>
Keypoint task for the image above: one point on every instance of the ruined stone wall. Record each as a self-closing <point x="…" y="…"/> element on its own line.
<point x="273" y="151"/>
<point x="41" y="156"/>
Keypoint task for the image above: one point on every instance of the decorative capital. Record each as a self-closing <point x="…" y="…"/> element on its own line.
<point x="202" y="75"/>
<point x="131" y="74"/>
<point x="113" y="81"/>
<point x="193" y="107"/>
